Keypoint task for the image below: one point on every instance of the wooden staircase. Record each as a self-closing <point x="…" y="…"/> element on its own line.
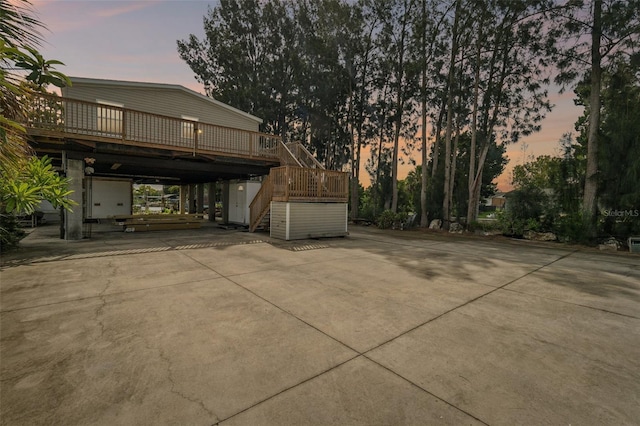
<point x="300" y="178"/>
<point x="261" y="204"/>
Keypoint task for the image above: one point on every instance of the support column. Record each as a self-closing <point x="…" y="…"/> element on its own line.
<point x="73" y="219"/>
<point x="182" y="209"/>
<point x="200" y="198"/>
<point x="212" y="201"/>
<point x="225" y="201"/>
<point x="192" y="198"/>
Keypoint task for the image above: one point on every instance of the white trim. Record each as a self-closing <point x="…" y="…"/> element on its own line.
<point x="110" y="103"/>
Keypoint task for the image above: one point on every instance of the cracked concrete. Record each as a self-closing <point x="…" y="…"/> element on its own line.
<point x="381" y="327"/>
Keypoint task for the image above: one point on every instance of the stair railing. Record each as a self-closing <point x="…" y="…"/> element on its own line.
<point x="304" y="157"/>
<point x="261" y="203"/>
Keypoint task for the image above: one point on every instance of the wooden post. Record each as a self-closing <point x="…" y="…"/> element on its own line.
<point x="212" y="201"/>
<point x="287" y="182"/>
<point x="195" y="137"/>
<point x="124" y="124"/>
<point x="200" y="198"/>
<point x="183" y="199"/>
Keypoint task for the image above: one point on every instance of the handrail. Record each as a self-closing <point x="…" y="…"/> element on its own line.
<point x="287" y="158"/>
<point x="304" y="157"/>
<point x="294" y="183"/>
<point x="261" y="203"/>
<point x="55" y="116"/>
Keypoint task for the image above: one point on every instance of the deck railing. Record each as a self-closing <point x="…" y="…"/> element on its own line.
<point x="293" y="183"/>
<point x="304" y="184"/>
<point x="260" y="204"/>
<point x="55" y="116"/>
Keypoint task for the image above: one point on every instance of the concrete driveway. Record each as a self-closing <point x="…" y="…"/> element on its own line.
<point x="379" y="328"/>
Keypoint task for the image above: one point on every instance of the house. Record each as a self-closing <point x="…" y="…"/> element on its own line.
<point x="107" y="134"/>
<point x="168" y="100"/>
<point x="494" y="202"/>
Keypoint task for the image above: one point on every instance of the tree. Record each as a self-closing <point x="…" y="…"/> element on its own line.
<point x="542" y="173"/>
<point x="619" y="146"/>
<point x="427" y="35"/>
<point x="25" y="180"/>
<point x="394" y="44"/>
<point x="591" y="33"/>
<point x="510" y="73"/>
<point x="23" y="187"/>
<point x="455" y="43"/>
<point x="364" y="24"/>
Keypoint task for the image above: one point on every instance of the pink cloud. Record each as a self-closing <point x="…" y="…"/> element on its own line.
<point x="127" y="8"/>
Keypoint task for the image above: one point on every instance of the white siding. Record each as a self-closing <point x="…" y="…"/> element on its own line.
<point x="278" y="220"/>
<point x="308" y="220"/>
<point x="164" y="101"/>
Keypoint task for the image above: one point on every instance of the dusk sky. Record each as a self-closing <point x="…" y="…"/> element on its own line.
<point x="136" y="41"/>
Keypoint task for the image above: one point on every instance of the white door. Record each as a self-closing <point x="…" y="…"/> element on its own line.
<point x="237" y="203"/>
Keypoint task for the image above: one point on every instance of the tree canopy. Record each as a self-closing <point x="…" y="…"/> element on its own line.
<point x="455" y="81"/>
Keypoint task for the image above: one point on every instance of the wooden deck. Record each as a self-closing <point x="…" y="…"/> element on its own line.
<point x="55" y="117"/>
<point x="56" y="122"/>
<point x="300" y="184"/>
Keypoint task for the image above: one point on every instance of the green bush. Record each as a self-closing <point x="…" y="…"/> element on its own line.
<point x="386" y="219"/>
<point x="485" y="226"/>
<point x="10" y="232"/>
<point x="570" y="228"/>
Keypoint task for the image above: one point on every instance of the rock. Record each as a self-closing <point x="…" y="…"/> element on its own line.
<point x="435" y="224"/>
<point x="610" y="244"/>
<point x="489" y="233"/>
<point x="456" y="228"/>
<point x="540" y="236"/>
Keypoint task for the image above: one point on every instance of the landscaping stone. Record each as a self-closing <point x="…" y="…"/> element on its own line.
<point x="435" y="224"/>
<point x="456" y="228"/>
<point x="540" y="236"/>
<point x="611" y="244"/>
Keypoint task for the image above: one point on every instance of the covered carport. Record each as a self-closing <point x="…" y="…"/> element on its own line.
<point x="149" y="166"/>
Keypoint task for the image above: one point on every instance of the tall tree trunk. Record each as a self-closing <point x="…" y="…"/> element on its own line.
<point x="399" y="114"/>
<point x="476" y="185"/>
<point x="446" y="207"/>
<point x="424" y="220"/>
<point x="472" y="207"/>
<point x="589" y="203"/>
<point x="359" y="125"/>
<point x="454" y="163"/>
<point x="438" y="139"/>
<point x="354" y="166"/>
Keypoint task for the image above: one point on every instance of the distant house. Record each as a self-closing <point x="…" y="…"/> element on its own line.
<point x="495" y="202"/>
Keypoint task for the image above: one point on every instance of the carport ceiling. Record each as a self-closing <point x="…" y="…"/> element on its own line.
<point x="147" y="165"/>
<point x="183" y="170"/>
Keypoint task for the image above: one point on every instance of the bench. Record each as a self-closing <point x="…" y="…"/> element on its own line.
<point x="158" y="222"/>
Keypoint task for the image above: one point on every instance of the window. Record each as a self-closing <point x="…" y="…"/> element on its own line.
<point x="188" y="129"/>
<point x="110" y="117"/>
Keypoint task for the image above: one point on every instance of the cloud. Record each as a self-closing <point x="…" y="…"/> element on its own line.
<point x="127" y="8"/>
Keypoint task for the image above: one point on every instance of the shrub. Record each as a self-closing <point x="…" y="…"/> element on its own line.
<point x="386" y="219"/>
<point x="10" y="232"/>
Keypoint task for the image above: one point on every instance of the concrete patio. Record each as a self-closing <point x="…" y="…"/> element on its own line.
<point x="380" y="328"/>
